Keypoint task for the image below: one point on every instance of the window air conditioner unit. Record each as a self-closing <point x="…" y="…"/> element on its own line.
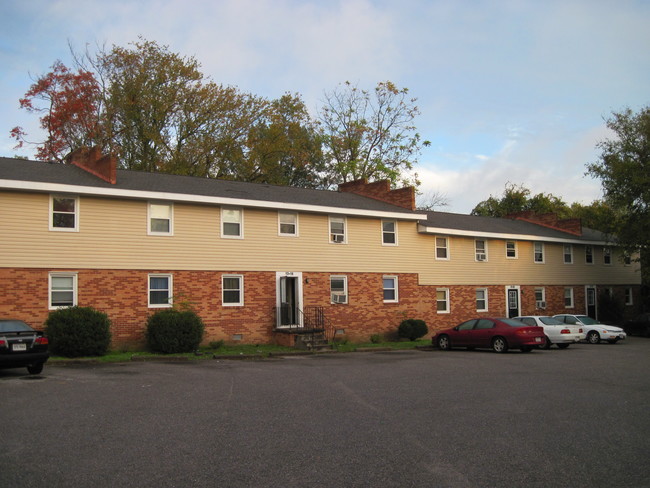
<point x="338" y="238"/>
<point x="540" y="304"/>
<point x="339" y="298"/>
<point x="481" y="257"/>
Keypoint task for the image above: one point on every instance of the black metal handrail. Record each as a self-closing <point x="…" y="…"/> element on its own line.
<point x="311" y="320"/>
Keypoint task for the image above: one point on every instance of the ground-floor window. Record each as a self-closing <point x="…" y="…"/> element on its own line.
<point x="628" y="297"/>
<point x="160" y="291"/>
<point x="62" y="290"/>
<point x="339" y="289"/>
<point x="568" y="297"/>
<point x="232" y="290"/>
<point x="390" y="289"/>
<point x="442" y="300"/>
<point x="481" y="300"/>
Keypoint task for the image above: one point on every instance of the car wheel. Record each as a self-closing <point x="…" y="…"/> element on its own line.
<point x="35" y="368"/>
<point x="444" y="344"/>
<point x="593" y="337"/>
<point x="563" y="346"/>
<point x="526" y="348"/>
<point x="546" y="344"/>
<point x="499" y="344"/>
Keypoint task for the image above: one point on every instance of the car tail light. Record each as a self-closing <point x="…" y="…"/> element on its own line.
<point x="41" y="341"/>
<point x="3" y="343"/>
<point x="565" y="331"/>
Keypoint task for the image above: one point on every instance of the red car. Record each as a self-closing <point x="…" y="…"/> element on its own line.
<point x="498" y="334"/>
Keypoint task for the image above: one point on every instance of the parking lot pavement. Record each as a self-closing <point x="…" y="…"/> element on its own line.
<point x="576" y="417"/>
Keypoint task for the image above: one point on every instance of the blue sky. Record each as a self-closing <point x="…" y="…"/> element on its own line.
<point x="510" y="91"/>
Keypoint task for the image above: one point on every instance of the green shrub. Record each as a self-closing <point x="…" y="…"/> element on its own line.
<point x="217" y="344"/>
<point x="412" y="329"/>
<point x="78" y="331"/>
<point x="376" y="338"/>
<point x="172" y="331"/>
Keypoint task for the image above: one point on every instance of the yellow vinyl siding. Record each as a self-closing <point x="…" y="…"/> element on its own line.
<point x="113" y="235"/>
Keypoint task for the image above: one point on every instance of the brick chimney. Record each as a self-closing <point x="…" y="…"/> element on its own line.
<point x="380" y="190"/>
<point x="550" y="220"/>
<point x="92" y="161"/>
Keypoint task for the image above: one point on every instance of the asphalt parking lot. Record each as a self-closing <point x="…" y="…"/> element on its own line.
<point x="573" y="418"/>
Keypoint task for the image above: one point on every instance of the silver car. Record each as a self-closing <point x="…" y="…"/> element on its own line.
<point x="594" y="330"/>
<point x="556" y="332"/>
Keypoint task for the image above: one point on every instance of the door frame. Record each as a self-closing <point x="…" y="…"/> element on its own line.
<point x="297" y="291"/>
<point x="516" y="288"/>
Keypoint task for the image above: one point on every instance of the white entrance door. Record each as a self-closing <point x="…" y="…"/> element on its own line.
<point x="289" y="299"/>
<point x="513" y="301"/>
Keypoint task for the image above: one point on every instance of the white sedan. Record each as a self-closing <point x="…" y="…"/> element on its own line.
<point x="556" y="332"/>
<point x="594" y="330"/>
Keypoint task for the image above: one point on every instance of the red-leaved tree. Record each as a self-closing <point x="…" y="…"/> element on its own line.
<point x="70" y="105"/>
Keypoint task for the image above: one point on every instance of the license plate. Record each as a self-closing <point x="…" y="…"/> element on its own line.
<point x="538" y="339"/>
<point x="19" y="347"/>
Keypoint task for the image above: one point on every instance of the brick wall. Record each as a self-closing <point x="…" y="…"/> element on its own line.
<point x="122" y="294"/>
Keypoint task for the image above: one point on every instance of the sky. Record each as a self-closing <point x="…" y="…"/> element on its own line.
<point x="509" y="91"/>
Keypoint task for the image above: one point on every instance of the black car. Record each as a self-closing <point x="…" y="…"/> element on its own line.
<point x="21" y="346"/>
<point x="640" y="326"/>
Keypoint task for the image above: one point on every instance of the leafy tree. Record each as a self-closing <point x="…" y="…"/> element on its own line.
<point x="624" y="171"/>
<point x="69" y="112"/>
<point x="370" y="134"/>
<point x="517" y="198"/>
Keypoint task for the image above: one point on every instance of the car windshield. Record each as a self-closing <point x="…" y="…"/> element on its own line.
<point x="585" y="319"/>
<point x="550" y="321"/>
<point x="513" y="323"/>
<point x="14" y="326"/>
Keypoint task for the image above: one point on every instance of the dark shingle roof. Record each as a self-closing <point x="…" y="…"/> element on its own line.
<point x="34" y="171"/>
<point x="503" y="226"/>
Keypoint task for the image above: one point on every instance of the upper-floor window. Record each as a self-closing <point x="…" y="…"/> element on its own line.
<point x="511" y="249"/>
<point x="337" y="230"/>
<point x="480" y="248"/>
<point x="232" y="290"/>
<point x="389" y="232"/>
<point x="62" y="290"/>
<point x="232" y="223"/>
<point x="568" y="254"/>
<point x="539" y="252"/>
<point x="607" y="256"/>
<point x="161" y="219"/>
<point x="442" y="248"/>
<point x="64" y="213"/>
<point x="627" y="260"/>
<point x="160" y="290"/>
<point x="481" y="300"/>
<point x="589" y="255"/>
<point x="288" y="224"/>
<point x="390" y="289"/>
<point x="442" y="300"/>
<point x="339" y="289"/>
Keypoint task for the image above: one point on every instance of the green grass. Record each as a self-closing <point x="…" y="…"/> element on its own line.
<point x="261" y="350"/>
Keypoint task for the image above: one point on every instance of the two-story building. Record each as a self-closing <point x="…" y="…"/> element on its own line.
<point x="255" y="261"/>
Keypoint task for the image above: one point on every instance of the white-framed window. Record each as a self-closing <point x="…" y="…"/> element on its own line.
<point x="627" y="260"/>
<point x="62" y="290"/>
<point x="232" y="223"/>
<point x="481" y="300"/>
<point x="390" y="289"/>
<point x="629" y="300"/>
<point x="607" y="256"/>
<point x="511" y="249"/>
<point x="288" y="224"/>
<point x="568" y="297"/>
<point x="161" y="219"/>
<point x="442" y="248"/>
<point x="589" y="255"/>
<point x="232" y="290"/>
<point x="389" y="232"/>
<point x="442" y="300"/>
<point x="160" y="290"/>
<point x="339" y="289"/>
<point x="539" y="252"/>
<point x="64" y="213"/>
<point x="337" y="227"/>
<point x="480" y="250"/>
<point x="540" y="298"/>
<point x="568" y="254"/>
